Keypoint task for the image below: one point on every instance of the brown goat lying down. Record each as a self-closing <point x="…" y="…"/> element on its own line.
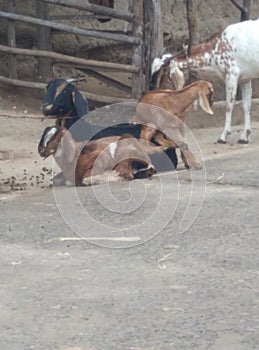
<point x="81" y="161"/>
<point x="166" y="124"/>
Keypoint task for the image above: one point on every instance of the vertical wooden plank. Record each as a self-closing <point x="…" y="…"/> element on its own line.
<point x="11" y="38"/>
<point x="44" y="41"/>
<point x="194" y="34"/>
<point x="137" y="58"/>
<point x="245" y="14"/>
<point x="193" y="22"/>
<point x="153" y="35"/>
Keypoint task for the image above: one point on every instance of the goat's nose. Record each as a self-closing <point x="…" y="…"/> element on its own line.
<point x="41" y="151"/>
<point x="46" y="108"/>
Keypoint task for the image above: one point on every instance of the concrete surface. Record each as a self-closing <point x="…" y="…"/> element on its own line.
<point x="189" y="288"/>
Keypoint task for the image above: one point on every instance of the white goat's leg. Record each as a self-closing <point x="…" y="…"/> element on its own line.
<point x="246" y="89"/>
<point x="231" y="88"/>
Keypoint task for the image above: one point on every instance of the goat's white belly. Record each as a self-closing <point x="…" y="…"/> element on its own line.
<point x="249" y="67"/>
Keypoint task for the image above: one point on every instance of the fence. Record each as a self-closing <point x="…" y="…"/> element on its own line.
<point x="146" y="41"/>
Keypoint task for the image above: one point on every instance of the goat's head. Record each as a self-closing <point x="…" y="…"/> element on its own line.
<point x="164" y="72"/>
<point x="159" y="69"/>
<point x="50" y="141"/>
<point x="62" y="97"/>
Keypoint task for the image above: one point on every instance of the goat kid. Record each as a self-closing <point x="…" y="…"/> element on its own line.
<point x="80" y="161"/>
<point x="233" y="55"/>
<point x="162" y="114"/>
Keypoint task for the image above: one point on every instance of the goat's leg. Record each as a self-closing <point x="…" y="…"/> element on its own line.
<point x="160" y="138"/>
<point x="163" y="141"/>
<point x="231" y="82"/>
<point x="246" y="89"/>
<point x="188" y="157"/>
<point x="147" y="132"/>
<point x="151" y="149"/>
<point x="185" y="161"/>
<point x="178" y="141"/>
<point x="124" y="169"/>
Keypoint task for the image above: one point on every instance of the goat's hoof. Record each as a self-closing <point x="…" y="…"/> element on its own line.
<point x="222" y="142"/>
<point x="243" y="142"/>
<point x="197" y="166"/>
<point x="59" y="180"/>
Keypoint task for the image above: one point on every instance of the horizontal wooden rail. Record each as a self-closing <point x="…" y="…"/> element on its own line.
<point x="41" y="86"/>
<point x="75" y="60"/>
<point x="70" y="29"/>
<point x="98" y="10"/>
<point x="102" y="77"/>
<point x="21" y="83"/>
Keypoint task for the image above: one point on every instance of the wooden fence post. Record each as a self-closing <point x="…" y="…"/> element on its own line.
<point x="153" y="35"/>
<point x="137" y="59"/>
<point x="11" y="38"/>
<point x="44" y="41"/>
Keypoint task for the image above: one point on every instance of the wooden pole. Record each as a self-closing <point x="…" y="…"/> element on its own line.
<point x="72" y="30"/>
<point x="11" y="38"/>
<point x="245" y="14"/>
<point x="42" y="86"/>
<point x="137" y="58"/>
<point x="193" y="23"/>
<point x="99" y="10"/>
<point x="153" y="35"/>
<point x="105" y="79"/>
<point x="44" y="41"/>
<point x="194" y="34"/>
<point x="245" y="9"/>
<point x="76" y="60"/>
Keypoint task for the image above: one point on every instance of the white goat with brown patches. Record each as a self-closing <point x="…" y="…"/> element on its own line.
<point x="233" y="55"/>
<point x="81" y="161"/>
<point x="162" y="114"/>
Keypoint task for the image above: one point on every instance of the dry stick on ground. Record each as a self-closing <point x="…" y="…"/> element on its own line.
<point x="117" y="239"/>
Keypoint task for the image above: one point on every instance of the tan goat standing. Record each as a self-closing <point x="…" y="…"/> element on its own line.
<point x="163" y="115"/>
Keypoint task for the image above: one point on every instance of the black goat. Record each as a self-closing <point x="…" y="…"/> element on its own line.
<point x="62" y="99"/>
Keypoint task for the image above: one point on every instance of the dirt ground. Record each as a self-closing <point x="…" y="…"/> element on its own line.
<point x="176" y="269"/>
<point x="21" y="168"/>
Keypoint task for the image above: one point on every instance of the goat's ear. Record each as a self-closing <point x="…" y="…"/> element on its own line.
<point x="80" y="103"/>
<point x="68" y="147"/>
<point x="204" y="102"/>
